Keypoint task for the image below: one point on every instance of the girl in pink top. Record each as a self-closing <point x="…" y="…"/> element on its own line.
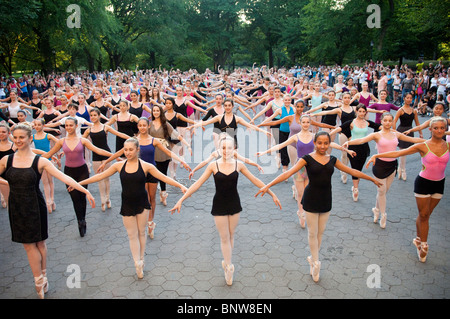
<point x="75" y="166"/>
<point x="384" y="168"/>
<point x="429" y="185"/>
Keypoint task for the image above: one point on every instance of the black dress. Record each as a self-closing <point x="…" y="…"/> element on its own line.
<point x="317" y="195"/>
<point x="134" y="194"/>
<point x="226" y="201"/>
<point x="26" y="204"/>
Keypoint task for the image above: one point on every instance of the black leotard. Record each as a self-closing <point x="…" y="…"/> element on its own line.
<point x="317" y="195"/>
<point x="230" y="129"/>
<point x="134" y="194"/>
<point x="125" y="127"/>
<point x="182" y="109"/>
<point x="330" y="119"/>
<point x="99" y="139"/>
<point x="138" y="112"/>
<point x="226" y="201"/>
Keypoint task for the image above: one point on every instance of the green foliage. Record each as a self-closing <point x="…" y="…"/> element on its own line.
<point x="211" y="33"/>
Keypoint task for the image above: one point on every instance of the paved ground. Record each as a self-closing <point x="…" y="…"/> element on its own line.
<point x="184" y="259"/>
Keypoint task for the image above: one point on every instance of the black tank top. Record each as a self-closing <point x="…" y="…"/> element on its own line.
<point x="138" y="112"/>
<point x="174" y="121"/>
<point x="330" y="119"/>
<point x="182" y="109"/>
<point x="226" y="201"/>
<point x="125" y="127"/>
<point x="7" y="152"/>
<point x="99" y="139"/>
<point x="230" y="129"/>
<point x="38" y="105"/>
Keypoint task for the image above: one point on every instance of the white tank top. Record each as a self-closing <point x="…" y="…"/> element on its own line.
<point x="13" y="110"/>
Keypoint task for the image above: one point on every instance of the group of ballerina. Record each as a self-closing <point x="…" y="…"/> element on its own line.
<point x="146" y="147"/>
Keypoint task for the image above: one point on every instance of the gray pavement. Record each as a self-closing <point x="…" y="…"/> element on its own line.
<point x="183" y="261"/>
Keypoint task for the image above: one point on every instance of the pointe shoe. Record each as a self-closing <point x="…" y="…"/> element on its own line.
<point x="344" y="178"/>
<point x="39" y="283"/>
<point x="316" y="271"/>
<point x="44" y="273"/>
<point x="139" y="269"/>
<point x="301" y="218"/>
<point x="404" y="175"/>
<point x="309" y="259"/>
<point x="228" y="271"/>
<point x="355" y="194"/>
<point x="53" y="205"/>
<point x="108" y="204"/>
<point x="49" y="207"/>
<point x="383" y="220"/>
<point x="103" y="207"/>
<point x="376" y="214"/>
<point x="294" y="192"/>
<point x="423" y="252"/>
<point x="422" y="249"/>
<point x="163" y="197"/>
<point x="151" y="229"/>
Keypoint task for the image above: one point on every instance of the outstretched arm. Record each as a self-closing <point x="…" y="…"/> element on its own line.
<point x="294" y="169"/>
<point x="258" y="183"/>
<point x="194" y="187"/>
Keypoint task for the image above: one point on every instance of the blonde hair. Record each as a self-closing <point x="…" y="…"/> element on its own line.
<point x="436" y="119"/>
<point x="23" y="127"/>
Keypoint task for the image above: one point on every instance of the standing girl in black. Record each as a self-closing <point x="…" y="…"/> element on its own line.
<point x="317" y="197"/>
<point x="99" y="136"/>
<point x="226" y="207"/>
<point x="136" y="108"/>
<point x="125" y="122"/>
<point x="406" y="114"/>
<point x="26" y="204"/>
<point x="135" y="204"/>
<point x="172" y="118"/>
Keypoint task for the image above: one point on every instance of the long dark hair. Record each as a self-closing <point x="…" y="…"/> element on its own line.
<point x="163" y="120"/>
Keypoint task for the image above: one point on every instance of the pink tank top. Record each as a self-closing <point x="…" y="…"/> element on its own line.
<point x="387" y="145"/>
<point x="75" y="157"/>
<point x="433" y="166"/>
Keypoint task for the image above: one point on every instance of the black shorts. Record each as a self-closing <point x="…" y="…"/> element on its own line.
<point x="425" y="187"/>
<point x="384" y="169"/>
<point x="151" y="179"/>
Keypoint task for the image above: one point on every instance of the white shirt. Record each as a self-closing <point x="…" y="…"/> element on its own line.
<point x="80" y="120"/>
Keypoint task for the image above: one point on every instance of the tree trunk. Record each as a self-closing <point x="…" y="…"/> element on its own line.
<point x="270" y="57"/>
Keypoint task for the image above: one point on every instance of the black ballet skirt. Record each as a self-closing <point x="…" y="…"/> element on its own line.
<point x="26" y="204"/>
